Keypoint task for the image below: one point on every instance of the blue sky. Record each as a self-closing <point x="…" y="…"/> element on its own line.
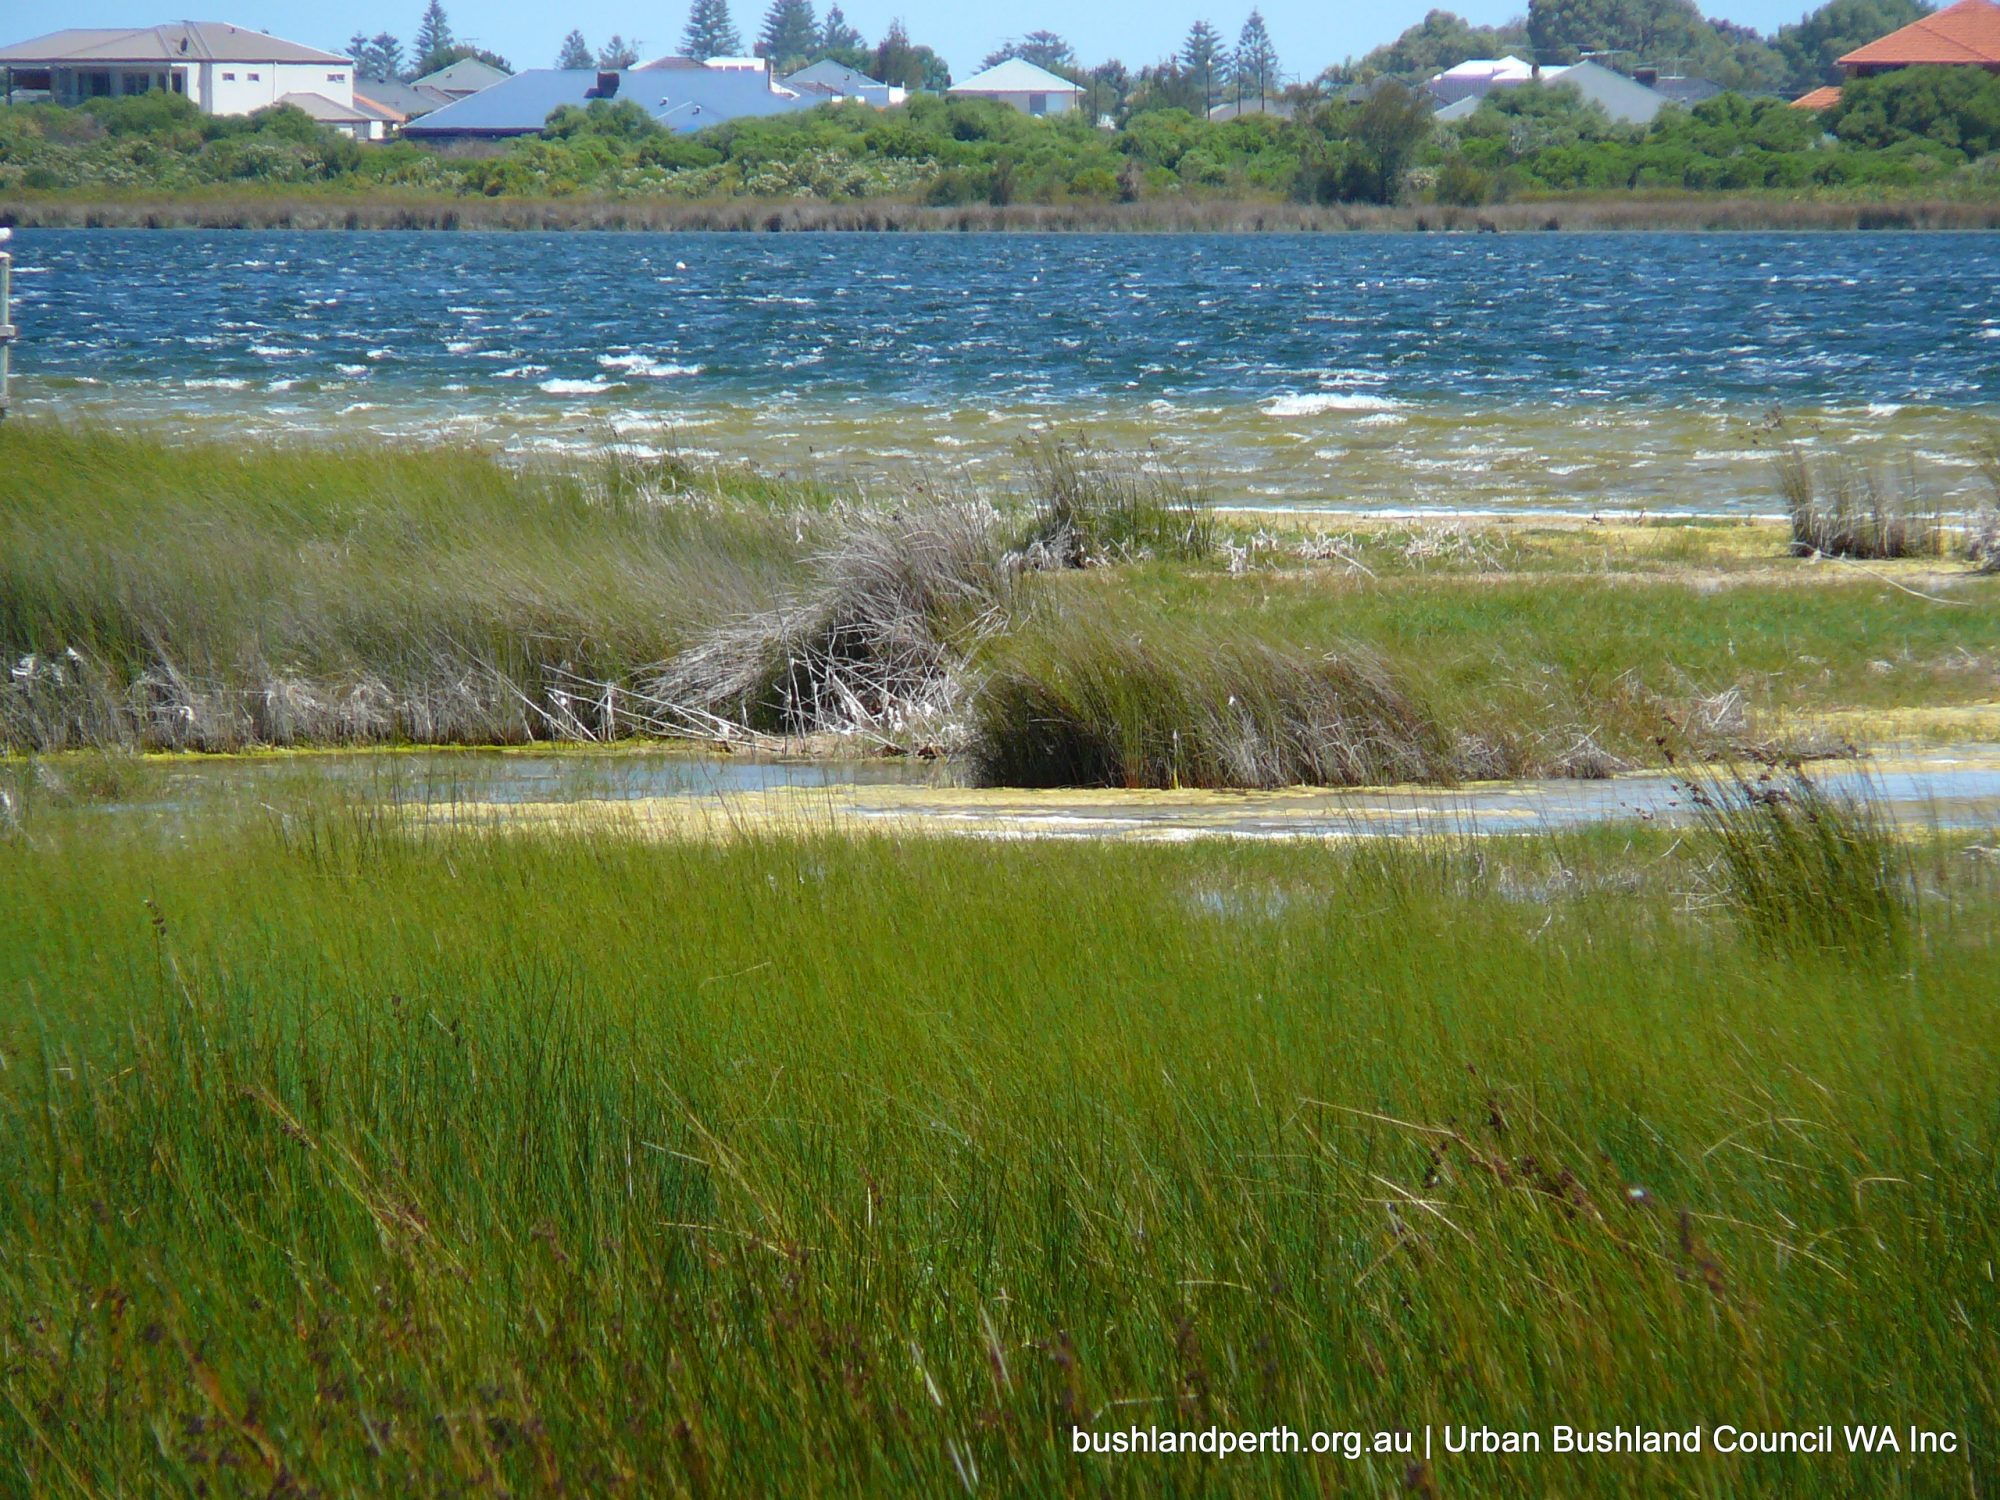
<point x="1309" y="33"/>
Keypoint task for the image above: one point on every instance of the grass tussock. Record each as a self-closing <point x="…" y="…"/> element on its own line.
<point x="341" y="1160"/>
<point x="1839" y="507"/>
<point x="1093" y="506"/>
<point x="1807" y="872"/>
<point x="1079" y="699"/>
<point x="873" y="643"/>
<point x="1982" y="547"/>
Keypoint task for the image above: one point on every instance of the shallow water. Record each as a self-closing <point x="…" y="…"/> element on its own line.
<point x="1954" y="787"/>
<point x="1401" y="371"/>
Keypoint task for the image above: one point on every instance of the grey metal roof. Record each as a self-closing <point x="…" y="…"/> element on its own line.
<point x="1016" y="76"/>
<point x="838" y="77"/>
<point x="466" y="76"/>
<point x="177" y="41"/>
<point x="682" y="99"/>
<point x="332" y="112"/>
<point x="405" y="98"/>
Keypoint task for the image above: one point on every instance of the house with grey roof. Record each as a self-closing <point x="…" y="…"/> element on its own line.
<point x="225" y="70"/>
<point x="1021" y="85"/>
<point x="1625" y="100"/>
<point x="834" y="80"/>
<point x="682" y="99"/>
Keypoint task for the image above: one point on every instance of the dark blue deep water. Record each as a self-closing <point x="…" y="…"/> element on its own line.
<point x="1315" y="363"/>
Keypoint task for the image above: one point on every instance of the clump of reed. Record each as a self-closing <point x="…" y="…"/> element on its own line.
<point x="872" y="643"/>
<point x="1078" y="699"/>
<point x="1096" y="506"/>
<point x="1841" y="507"/>
<point x="1805" y="870"/>
<point x="1982" y="546"/>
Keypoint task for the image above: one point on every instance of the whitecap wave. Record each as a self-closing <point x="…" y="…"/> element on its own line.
<point x="575" y="387"/>
<point x="1326" y="401"/>
<point x="646" y="365"/>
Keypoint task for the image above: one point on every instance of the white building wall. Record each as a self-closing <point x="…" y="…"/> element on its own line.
<point x="1055" y="104"/>
<point x="241" y="88"/>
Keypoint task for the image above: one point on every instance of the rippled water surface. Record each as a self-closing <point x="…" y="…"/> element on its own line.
<point x="1405" y="371"/>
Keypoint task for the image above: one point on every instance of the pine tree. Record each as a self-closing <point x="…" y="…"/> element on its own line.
<point x="835" y="35"/>
<point x="433" y="36"/>
<point x="1206" y="62"/>
<point x="1042" y="48"/>
<point x="1256" y="62"/>
<point x="617" y="53"/>
<point x="576" y="52"/>
<point x="791" y="32"/>
<point x="710" y="32"/>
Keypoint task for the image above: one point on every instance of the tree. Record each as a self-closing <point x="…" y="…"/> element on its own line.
<point x="791" y="32"/>
<point x="1811" y="47"/>
<point x="835" y="35"/>
<point x="1954" y="108"/>
<point x="1042" y="48"/>
<point x="458" y="52"/>
<point x="710" y="32"/>
<point x="902" y="63"/>
<point x="1387" y="130"/>
<point x="575" y="52"/>
<point x="379" y="56"/>
<point x="433" y="37"/>
<point x="1206" y="63"/>
<point x="1255" y="65"/>
<point x="1441" y="40"/>
<point x="617" y="54"/>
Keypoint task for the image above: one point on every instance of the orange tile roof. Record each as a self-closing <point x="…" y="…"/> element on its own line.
<point x="1968" y="32"/>
<point x="1820" y="98"/>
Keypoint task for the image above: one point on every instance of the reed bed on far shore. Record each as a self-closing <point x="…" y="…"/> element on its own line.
<point x="1675" y="212"/>
<point x="343" y="1157"/>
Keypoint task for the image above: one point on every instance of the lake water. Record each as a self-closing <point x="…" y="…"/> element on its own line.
<point x="1445" y="372"/>
<point x="1952" y="787"/>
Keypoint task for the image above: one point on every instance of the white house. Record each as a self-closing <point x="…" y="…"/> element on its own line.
<point x="225" y="70"/>
<point x="1018" y="82"/>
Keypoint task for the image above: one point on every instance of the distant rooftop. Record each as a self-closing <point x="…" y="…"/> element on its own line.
<point x="1965" y="33"/>
<point x="827" y="73"/>
<point x="683" y="99"/>
<point x="177" y="41"/>
<point x="1016" y="76"/>
<point x="466" y="76"/>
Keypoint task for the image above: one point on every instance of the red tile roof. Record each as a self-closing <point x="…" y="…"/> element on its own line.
<point x="1820" y="98"/>
<point x="1968" y="32"/>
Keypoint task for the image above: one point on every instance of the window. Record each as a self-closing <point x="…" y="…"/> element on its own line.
<point x="1038" y="104"/>
<point x="336" y="78"/>
<point x="229" y="78"/>
<point x="253" y="77"/>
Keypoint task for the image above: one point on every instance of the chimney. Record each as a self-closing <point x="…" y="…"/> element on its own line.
<point x="607" y="86"/>
<point x="1647" y="76"/>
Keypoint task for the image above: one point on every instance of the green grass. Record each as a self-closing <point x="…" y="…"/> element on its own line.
<point x="220" y="595"/>
<point x="344" y="1161"/>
